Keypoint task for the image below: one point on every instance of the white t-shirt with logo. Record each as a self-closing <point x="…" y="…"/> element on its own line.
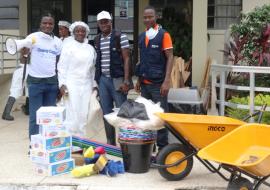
<point x="44" y="50"/>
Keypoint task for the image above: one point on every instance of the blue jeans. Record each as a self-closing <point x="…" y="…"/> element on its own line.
<point x="108" y="96"/>
<point x="152" y="92"/>
<point x="40" y="94"/>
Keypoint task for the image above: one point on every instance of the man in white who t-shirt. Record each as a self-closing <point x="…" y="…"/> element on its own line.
<point x="42" y="79"/>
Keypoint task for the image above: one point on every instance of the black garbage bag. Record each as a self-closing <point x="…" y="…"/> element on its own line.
<point x="187" y="108"/>
<point x="131" y="109"/>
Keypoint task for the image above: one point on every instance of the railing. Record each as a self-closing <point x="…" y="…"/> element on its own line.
<point x="5" y="57"/>
<point x="222" y="71"/>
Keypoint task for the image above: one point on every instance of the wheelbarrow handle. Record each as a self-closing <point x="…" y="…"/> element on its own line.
<point x="261" y="113"/>
<point x="258" y="112"/>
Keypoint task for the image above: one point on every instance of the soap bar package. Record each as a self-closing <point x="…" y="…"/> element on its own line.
<point x="56" y="168"/>
<point x="50" y="156"/>
<point x="53" y="131"/>
<point x="44" y="143"/>
<point x="51" y="115"/>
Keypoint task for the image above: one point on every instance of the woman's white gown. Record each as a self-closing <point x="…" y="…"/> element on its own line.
<point x="76" y="70"/>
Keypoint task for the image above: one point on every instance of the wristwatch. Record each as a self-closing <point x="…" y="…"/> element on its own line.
<point x="126" y="82"/>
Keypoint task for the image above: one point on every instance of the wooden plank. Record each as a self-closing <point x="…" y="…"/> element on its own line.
<point x="205" y="78"/>
<point x="175" y="75"/>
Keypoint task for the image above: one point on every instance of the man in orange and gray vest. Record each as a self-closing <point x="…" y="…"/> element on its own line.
<point x="154" y="70"/>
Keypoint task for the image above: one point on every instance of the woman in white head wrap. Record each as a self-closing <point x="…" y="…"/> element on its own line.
<point x="76" y="69"/>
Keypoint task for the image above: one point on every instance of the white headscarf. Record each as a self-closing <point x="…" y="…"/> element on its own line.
<point x="79" y="23"/>
<point x="64" y="23"/>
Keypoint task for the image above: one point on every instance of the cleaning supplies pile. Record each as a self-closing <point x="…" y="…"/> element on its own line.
<point x="51" y="148"/>
<point x="136" y="119"/>
<point x="96" y="162"/>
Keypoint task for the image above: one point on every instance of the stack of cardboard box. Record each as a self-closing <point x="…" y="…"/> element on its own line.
<point x="51" y="148"/>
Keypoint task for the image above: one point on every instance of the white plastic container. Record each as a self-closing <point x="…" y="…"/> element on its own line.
<point x="188" y="101"/>
<point x="184" y="96"/>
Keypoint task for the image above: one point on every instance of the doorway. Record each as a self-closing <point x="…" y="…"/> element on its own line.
<point x="60" y="10"/>
<point x="92" y="8"/>
<point x="124" y="17"/>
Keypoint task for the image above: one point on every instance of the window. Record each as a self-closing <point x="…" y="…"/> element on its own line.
<point x="124" y="16"/>
<point x="222" y="13"/>
<point x="60" y="9"/>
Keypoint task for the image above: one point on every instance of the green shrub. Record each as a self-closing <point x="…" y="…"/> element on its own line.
<point x="260" y="99"/>
<point x="251" y="38"/>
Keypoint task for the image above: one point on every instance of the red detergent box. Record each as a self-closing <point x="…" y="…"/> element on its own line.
<point x="56" y="168"/>
<point x="53" y="131"/>
<point x="50" y="156"/>
<point x="44" y="143"/>
<point x="51" y="115"/>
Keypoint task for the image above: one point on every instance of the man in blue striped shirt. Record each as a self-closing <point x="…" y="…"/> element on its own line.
<point x="112" y="68"/>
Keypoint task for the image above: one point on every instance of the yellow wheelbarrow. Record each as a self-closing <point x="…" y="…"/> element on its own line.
<point x="244" y="151"/>
<point x="175" y="161"/>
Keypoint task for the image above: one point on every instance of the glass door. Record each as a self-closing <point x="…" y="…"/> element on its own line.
<point x="124" y="14"/>
<point x="92" y="9"/>
<point x="124" y="17"/>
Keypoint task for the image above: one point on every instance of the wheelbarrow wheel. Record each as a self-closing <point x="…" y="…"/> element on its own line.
<point x="171" y="154"/>
<point x="240" y="183"/>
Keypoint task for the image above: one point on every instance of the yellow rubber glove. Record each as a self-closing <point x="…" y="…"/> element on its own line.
<point x="89" y="153"/>
<point x="83" y="171"/>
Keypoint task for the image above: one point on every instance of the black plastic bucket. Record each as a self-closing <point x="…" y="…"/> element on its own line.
<point x="136" y="155"/>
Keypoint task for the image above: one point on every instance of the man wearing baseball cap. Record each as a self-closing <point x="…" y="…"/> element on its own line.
<point x="112" y="68"/>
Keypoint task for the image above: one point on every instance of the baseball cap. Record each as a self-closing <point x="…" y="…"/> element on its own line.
<point x="104" y="15"/>
<point x="64" y="23"/>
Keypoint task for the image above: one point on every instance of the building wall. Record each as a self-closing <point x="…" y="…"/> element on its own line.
<point x="215" y="44"/>
<point x="199" y="40"/>
<point x="9" y="17"/>
<point x="23" y="17"/>
<point x="9" y="14"/>
<point x="248" y="5"/>
<point x="76" y="10"/>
